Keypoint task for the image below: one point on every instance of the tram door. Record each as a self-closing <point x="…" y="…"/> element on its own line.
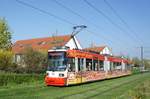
<point x="79" y="62"/>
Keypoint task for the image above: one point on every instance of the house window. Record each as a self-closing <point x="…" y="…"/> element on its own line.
<point x="17" y="58"/>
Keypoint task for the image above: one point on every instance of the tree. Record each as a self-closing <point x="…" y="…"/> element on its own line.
<point x="35" y="61"/>
<point x="5" y="35"/>
<point x="136" y="61"/>
<point x="147" y="64"/>
<point x="6" y="56"/>
<point x="6" y="60"/>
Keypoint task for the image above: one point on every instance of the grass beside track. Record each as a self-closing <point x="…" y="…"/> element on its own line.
<point x="119" y="88"/>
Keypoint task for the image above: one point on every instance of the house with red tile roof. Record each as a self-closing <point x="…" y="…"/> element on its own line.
<point x="105" y="50"/>
<point x="45" y="44"/>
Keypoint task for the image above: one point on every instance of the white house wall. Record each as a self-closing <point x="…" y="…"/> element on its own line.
<point x="72" y="44"/>
<point x="106" y="50"/>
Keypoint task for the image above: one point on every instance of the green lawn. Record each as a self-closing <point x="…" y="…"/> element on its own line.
<point x="119" y="88"/>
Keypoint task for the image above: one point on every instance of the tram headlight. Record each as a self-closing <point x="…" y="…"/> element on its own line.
<point x="61" y="75"/>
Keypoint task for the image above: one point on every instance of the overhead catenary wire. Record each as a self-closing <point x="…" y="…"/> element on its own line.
<point x="103" y="14"/>
<point x="108" y="18"/>
<point x="123" y="21"/>
<point x="75" y="13"/>
<point x="48" y="13"/>
<point x="45" y="12"/>
<point x="83" y="18"/>
<point x="104" y="38"/>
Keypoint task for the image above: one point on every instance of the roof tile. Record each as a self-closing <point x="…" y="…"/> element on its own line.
<point x="40" y="43"/>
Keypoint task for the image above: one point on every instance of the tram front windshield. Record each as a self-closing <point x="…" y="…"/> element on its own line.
<point x="57" y="61"/>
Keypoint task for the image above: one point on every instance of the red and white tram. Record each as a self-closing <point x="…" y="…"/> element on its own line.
<point x="67" y="67"/>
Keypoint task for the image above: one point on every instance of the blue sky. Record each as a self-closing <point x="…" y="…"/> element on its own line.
<point x="26" y="23"/>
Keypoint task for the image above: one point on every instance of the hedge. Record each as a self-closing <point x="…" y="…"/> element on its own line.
<point x="12" y="78"/>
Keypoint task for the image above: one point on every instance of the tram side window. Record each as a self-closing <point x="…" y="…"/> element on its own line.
<point x="117" y="65"/>
<point x="88" y="64"/>
<point x="111" y="66"/>
<point x="101" y="64"/>
<point x="80" y="64"/>
<point x="95" y="65"/>
<point x="71" y="64"/>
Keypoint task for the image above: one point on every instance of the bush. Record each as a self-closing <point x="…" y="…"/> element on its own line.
<point x="6" y="59"/>
<point x="136" y="70"/>
<point x="35" y="61"/>
<point x="13" y="78"/>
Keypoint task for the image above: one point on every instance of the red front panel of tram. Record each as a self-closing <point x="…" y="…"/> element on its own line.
<point x="55" y="81"/>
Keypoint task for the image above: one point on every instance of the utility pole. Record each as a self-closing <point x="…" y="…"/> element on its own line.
<point x="142" y="62"/>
